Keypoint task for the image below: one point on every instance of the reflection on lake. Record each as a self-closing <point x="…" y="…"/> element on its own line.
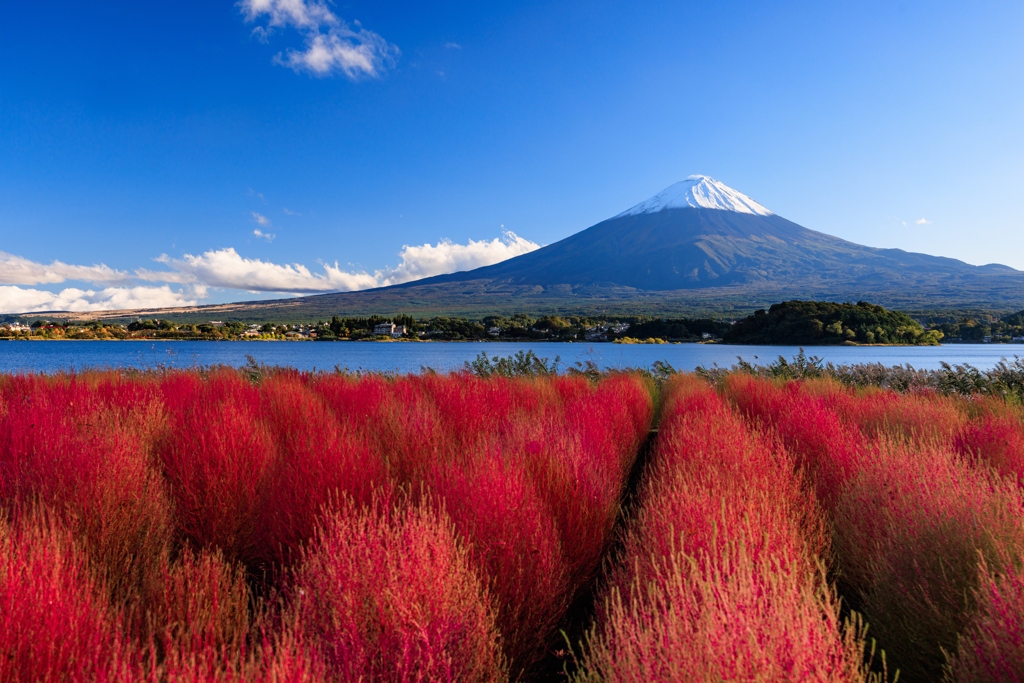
<point x="50" y="356"/>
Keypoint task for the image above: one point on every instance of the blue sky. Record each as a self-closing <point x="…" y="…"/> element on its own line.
<point x="169" y="152"/>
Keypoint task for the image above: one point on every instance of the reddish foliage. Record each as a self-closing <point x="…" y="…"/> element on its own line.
<point x="992" y="645"/>
<point x="55" y="623"/>
<point x="998" y="440"/>
<point x="828" y="450"/>
<point x="910" y="518"/>
<point x="923" y="416"/>
<point x="514" y="542"/>
<point x="217" y="456"/>
<point x="718" y="578"/>
<point x="530" y="472"/>
<point x="80" y="448"/>
<point x="168" y="481"/>
<point x="909" y="533"/>
<point x="388" y="595"/>
<point x="318" y="458"/>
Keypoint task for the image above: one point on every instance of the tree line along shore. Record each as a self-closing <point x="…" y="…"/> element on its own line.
<point x="787" y="323"/>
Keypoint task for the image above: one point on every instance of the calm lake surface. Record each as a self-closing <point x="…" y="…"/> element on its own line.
<point x="52" y="356"/>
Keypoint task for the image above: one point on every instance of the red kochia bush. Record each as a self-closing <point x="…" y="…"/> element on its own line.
<point x="920" y="416"/>
<point x="828" y="450"/>
<point x="998" y="441"/>
<point x="217" y="456"/>
<point x="718" y="577"/>
<point x="581" y="457"/>
<point x="81" y="447"/>
<point x="318" y="458"/>
<point x="992" y="646"/>
<point x="531" y="473"/>
<point x="515" y="544"/>
<point x="390" y="595"/>
<point x="205" y="631"/>
<point x="910" y="520"/>
<point x="202" y="610"/>
<point x="55" y="622"/>
<point x="179" y="488"/>
<point x="910" y="531"/>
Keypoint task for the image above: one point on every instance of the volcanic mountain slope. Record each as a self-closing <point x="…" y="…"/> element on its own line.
<point x="696" y="248"/>
<point x="699" y="233"/>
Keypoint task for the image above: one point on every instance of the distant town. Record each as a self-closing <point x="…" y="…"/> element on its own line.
<point x="376" y="328"/>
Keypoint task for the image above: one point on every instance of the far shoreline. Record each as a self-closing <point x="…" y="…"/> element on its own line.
<point x="514" y="341"/>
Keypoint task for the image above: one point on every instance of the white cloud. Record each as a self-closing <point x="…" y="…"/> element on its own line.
<point x="229" y="269"/>
<point x="298" y="13"/>
<point x="17" y="270"/>
<point x="268" y="236"/>
<point x="23" y="300"/>
<point x="453" y="46"/>
<point x="428" y="260"/>
<point x="923" y="221"/>
<point x="226" y="268"/>
<point x="175" y="277"/>
<point x="331" y="46"/>
<point x="261" y="219"/>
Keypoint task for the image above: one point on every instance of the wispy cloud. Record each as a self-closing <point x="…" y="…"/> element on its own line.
<point x="268" y="236"/>
<point x="289" y="212"/>
<point x="453" y="46"/>
<point x="923" y="221"/>
<point x="261" y="219"/>
<point x="331" y="45"/>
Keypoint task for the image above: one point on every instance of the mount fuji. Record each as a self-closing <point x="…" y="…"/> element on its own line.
<point x="699" y="234"/>
<point x="697" y="247"/>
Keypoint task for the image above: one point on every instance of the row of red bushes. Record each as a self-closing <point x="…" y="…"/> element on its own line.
<point x="719" y="576"/>
<point x="923" y="497"/>
<point x="195" y="526"/>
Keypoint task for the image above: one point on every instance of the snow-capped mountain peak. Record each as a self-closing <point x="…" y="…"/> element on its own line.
<point x="698" y="192"/>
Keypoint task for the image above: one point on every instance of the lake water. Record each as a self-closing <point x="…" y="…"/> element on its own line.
<point x="52" y="356"/>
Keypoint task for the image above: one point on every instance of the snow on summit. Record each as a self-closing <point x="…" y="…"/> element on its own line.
<point x="698" y="192"/>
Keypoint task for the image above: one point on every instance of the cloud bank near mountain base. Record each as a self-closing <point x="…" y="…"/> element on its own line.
<point x="225" y="268"/>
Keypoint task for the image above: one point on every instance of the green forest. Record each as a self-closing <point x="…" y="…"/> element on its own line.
<point x="820" y="322"/>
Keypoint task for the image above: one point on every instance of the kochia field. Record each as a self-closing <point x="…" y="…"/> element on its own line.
<point x="216" y="525"/>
